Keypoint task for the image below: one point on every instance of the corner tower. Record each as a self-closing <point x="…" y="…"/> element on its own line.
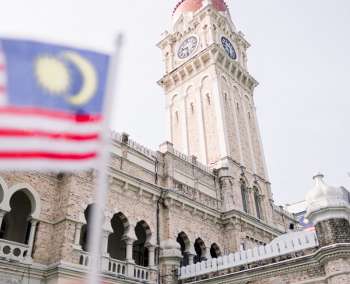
<point x="209" y="92"/>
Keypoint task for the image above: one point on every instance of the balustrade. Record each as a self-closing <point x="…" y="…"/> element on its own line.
<point x="15" y="251"/>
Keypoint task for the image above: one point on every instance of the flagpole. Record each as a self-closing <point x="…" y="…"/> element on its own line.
<point x="95" y="233"/>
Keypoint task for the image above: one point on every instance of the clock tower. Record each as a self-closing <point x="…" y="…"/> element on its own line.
<point x="209" y="92"/>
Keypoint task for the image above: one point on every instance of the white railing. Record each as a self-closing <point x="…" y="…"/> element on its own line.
<point x="291" y="244"/>
<point x="141" y="272"/>
<point x="113" y="265"/>
<point x="116" y="266"/>
<point x="15" y="251"/>
<point x="88" y="259"/>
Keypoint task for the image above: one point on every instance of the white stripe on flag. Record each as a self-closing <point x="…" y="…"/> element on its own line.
<point x="48" y="164"/>
<point x="28" y="144"/>
<point x="47" y="124"/>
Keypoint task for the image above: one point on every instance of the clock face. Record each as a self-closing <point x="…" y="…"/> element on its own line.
<point x="187" y="47"/>
<point x="228" y="48"/>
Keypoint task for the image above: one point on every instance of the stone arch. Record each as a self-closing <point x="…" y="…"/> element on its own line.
<point x="199" y="244"/>
<point x="186" y="241"/>
<point x="215" y="248"/>
<point x="174" y="96"/>
<point x="126" y="223"/>
<point x="3" y="189"/>
<point x="188" y="85"/>
<point x="203" y="77"/>
<point x="249" y="100"/>
<point x="149" y="231"/>
<point x="223" y="75"/>
<point x="243" y="178"/>
<point x="31" y="193"/>
<point x="236" y="87"/>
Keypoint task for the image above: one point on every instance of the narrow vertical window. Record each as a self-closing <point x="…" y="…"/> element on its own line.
<point x="192" y="108"/>
<point x="244" y="200"/>
<point x="257" y="205"/>
<point x="238" y="108"/>
<point x="177" y="116"/>
<point x="208" y="99"/>
<point x="225" y="98"/>
<point x="250" y="118"/>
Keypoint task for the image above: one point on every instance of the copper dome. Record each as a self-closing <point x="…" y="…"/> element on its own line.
<point x="195" y="5"/>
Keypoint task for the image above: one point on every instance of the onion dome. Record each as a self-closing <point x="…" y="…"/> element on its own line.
<point x="194" y="5"/>
<point x="326" y="202"/>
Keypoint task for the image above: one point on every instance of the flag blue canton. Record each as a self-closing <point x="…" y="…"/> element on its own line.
<point x="55" y="77"/>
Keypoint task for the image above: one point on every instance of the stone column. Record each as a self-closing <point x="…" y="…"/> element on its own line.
<point x="170" y="257"/>
<point x="168" y="122"/>
<point x="165" y="65"/>
<point x="77" y="235"/>
<point x="31" y="238"/>
<point x="260" y="145"/>
<point x="204" y="43"/>
<point x="184" y="125"/>
<point x="2" y="214"/>
<point x="105" y="237"/>
<point x="201" y="126"/>
<point x="151" y="260"/>
<point x="220" y="114"/>
<point x="129" y="260"/>
<point x="249" y="137"/>
<point x="171" y="58"/>
<point x="211" y="34"/>
<point x="261" y="198"/>
<point x="235" y="120"/>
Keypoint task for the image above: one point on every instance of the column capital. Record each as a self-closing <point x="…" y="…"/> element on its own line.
<point x="3" y="213"/>
<point x="128" y="240"/>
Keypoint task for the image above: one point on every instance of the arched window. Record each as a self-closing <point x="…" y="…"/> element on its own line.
<point x="176" y="116"/>
<point x="225" y="98"/>
<point x="85" y="230"/>
<point x="15" y="226"/>
<point x="198" y="244"/>
<point x="257" y="204"/>
<point x="140" y="253"/>
<point x="238" y="110"/>
<point x="181" y="241"/>
<point x="208" y="98"/>
<point x="192" y="108"/>
<point x="244" y="199"/>
<point x="117" y="247"/>
<point x="250" y="118"/>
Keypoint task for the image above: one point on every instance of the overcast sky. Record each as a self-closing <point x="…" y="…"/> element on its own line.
<point x="299" y="54"/>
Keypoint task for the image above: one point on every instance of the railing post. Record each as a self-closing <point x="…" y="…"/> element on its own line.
<point x="31" y="238"/>
<point x="130" y="262"/>
<point x="77" y="235"/>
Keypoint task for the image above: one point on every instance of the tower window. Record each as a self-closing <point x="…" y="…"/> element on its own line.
<point x="176" y="116"/>
<point x="250" y="118"/>
<point x="208" y="99"/>
<point x="244" y="200"/>
<point x="225" y="98"/>
<point x="257" y="205"/>
<point x="192" y="108"/>
<point x="237" y="108"/>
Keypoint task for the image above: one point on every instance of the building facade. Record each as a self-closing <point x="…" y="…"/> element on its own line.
<point x="186" y="212"/>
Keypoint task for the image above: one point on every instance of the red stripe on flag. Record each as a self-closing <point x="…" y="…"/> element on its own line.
<point x="35" y="133"/>
<point x="2" y="67"/>
<point x="81" y="118"/>
<point x="2" y="89"/>
<point x="47" y="155"/>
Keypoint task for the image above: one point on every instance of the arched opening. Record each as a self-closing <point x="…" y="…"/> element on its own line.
<point x="192" y="108"/>
<point x="140" y="253"/>
<point x="176" y="116"/>
<point x="249" y="118"/>
<point x="85" y="230"/>
<point x="182" y="239"/>
<point x="15" y="226"/>
<point x="117" y="247"/>
<point x="244" y="198"/>
<point x="215" y="251"/>
<point x="199" y="246"/>
<point x="208" y="98"/>
<point x="256" y="199"/>
<point x="238" y="108"/>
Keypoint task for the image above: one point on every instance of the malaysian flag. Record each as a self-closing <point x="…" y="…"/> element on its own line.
<point x="51" y="105"/>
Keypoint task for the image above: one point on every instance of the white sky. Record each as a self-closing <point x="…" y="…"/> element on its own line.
<point x="299" y="54"/>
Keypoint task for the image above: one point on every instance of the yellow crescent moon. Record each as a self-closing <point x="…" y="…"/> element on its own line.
<point x="89" y="75"/>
